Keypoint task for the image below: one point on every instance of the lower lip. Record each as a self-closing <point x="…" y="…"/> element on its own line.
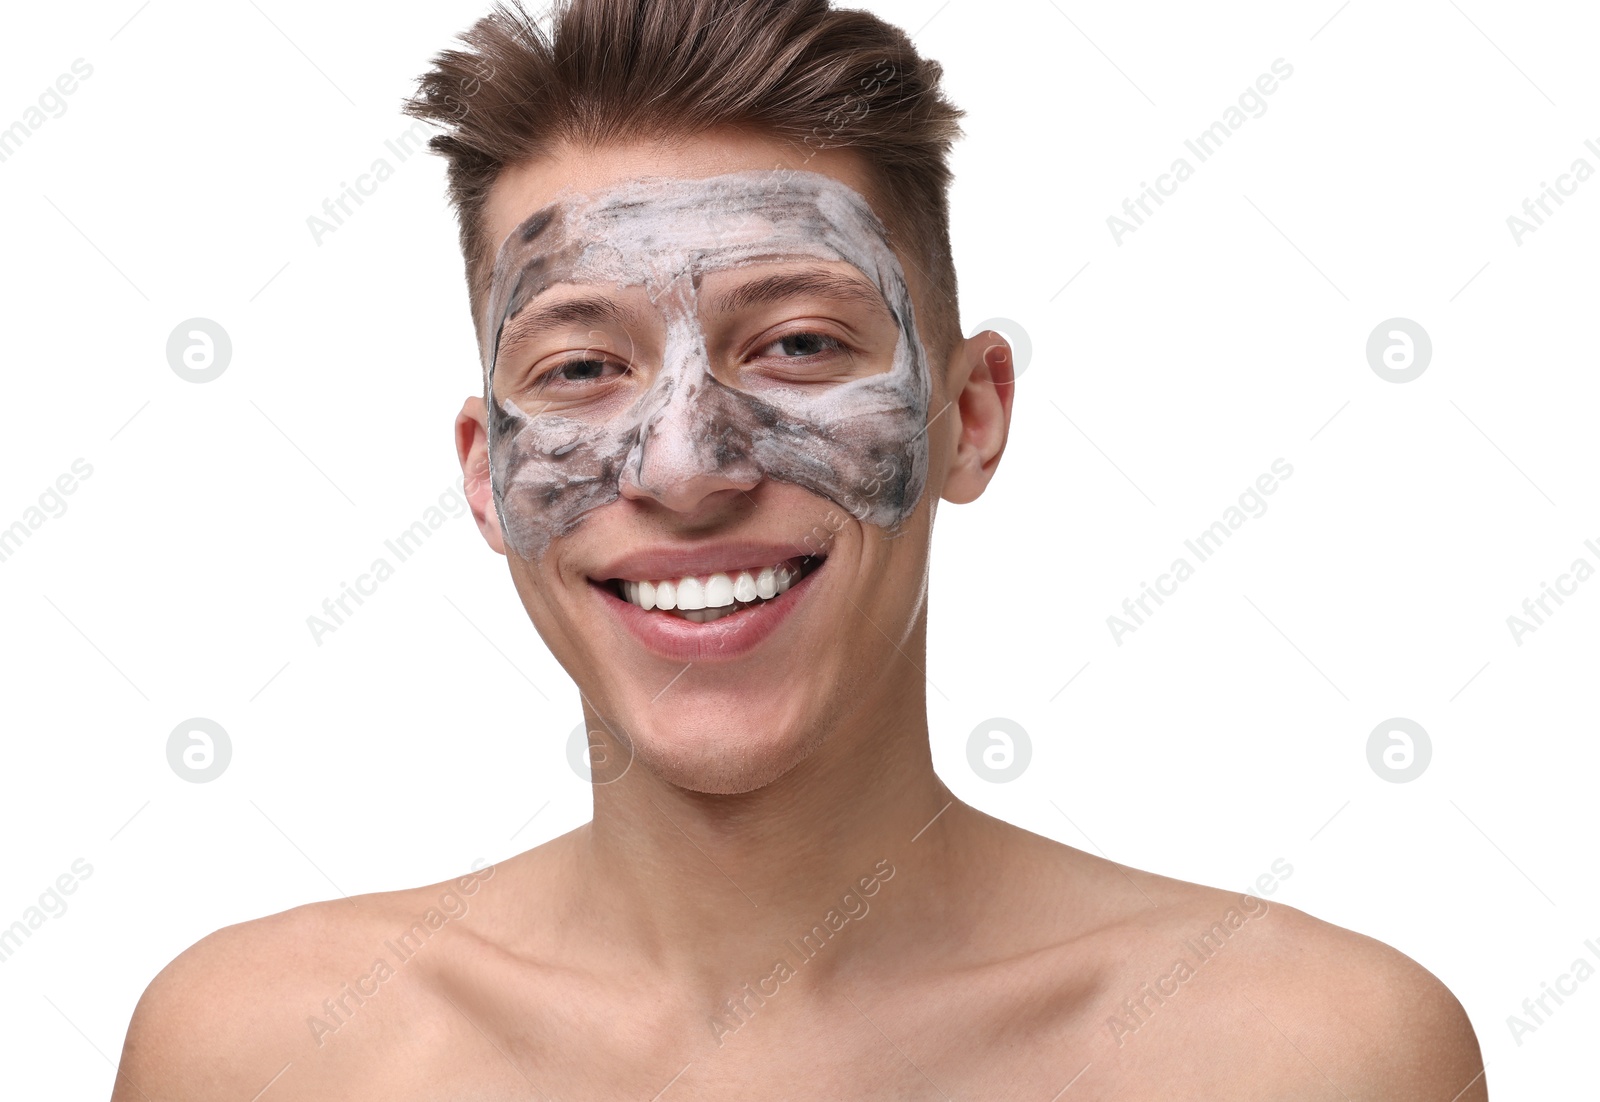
<point x="720" y="640"/>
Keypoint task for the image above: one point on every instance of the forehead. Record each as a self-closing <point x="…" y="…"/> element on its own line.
<point x="655" y="230"/>
<point x="523" y="189"/>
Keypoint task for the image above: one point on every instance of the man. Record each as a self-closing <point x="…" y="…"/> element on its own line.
<point x="724" y="391"/>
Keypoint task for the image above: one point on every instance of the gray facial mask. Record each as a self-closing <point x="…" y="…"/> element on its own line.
<point x="861" y="443"/>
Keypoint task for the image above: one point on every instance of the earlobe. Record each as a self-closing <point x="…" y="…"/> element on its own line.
<point x="472" y="449"/>
<point x="986" y="379"/>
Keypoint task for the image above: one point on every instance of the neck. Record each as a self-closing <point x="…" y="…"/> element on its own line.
<point x="713" y="890"/>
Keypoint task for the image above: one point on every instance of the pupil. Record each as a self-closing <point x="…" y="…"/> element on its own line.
<point x="803" y="344"/>
<point x="584" y="369"/>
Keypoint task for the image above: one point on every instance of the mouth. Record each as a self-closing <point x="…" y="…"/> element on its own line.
<point x="717" y="595"/>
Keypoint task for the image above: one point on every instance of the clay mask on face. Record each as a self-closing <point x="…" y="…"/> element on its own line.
<point x="861" y="442"/>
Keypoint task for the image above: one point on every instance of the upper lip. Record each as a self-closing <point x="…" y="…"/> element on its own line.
<point x="705" y="558"/>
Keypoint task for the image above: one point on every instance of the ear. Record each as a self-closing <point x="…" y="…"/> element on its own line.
<point x="982" y="379"/>
<point x="472" y="448"/>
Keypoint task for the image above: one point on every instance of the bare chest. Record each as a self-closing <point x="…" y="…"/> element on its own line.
<point x="964" y="1042"/>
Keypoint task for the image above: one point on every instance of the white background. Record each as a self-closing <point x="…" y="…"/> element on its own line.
<point x="1229" y="330"/>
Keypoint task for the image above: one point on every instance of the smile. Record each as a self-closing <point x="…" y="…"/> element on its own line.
<point x="700" y="613"/>
<point x="703" y="598"/>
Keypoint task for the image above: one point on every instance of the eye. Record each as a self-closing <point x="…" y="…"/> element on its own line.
<point x="578" y="372"/>
<point x="799" y="345"/>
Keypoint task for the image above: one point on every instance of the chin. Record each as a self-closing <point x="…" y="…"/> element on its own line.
<point x="716" y="758"/>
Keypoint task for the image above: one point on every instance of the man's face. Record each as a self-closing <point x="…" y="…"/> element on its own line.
<point x="708" y="391"/>
<point x="680" y="258"/>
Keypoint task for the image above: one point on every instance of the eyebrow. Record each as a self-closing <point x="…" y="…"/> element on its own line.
<point x="537" y="320"/>
<point x="784" y="286"/>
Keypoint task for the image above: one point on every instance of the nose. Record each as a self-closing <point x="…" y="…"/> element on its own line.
<point x="696" y="440"/>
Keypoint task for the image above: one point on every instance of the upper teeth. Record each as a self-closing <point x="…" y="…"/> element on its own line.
<point x="713" y="591"/>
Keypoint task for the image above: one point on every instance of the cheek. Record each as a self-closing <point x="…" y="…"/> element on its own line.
<point x="864" y="444"/>
<point x="547" y="472"/>
<point x="871" y="462"/>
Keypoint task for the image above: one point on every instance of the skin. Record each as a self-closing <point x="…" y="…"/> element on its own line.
<point x="762" y="797"/>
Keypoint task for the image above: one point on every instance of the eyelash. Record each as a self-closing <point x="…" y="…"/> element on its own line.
<point x="832" y="345"/>
<point x="547" y="377"/>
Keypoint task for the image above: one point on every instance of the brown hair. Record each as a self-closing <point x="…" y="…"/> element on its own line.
<point x="615" y="70"/>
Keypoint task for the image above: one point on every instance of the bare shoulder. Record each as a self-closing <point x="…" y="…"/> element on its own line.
<point x="259" y="1001"/>
<point x="1384" y="1026"/>
<point x="1285" y="1000"/>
